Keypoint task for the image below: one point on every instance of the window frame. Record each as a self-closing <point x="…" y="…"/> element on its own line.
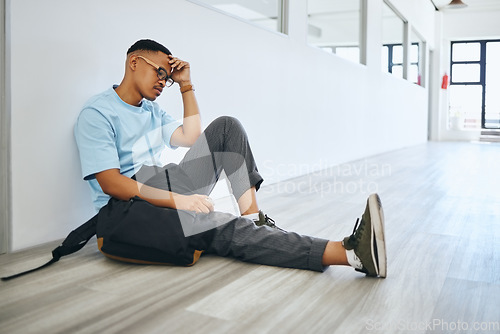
<point x="390" y="53"/>
<point x="282" y="19"/>
<point x="361" y="42"/>
<point x="482" y="72"/>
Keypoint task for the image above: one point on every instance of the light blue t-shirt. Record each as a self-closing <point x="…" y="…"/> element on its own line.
<point x="113" y="134"/>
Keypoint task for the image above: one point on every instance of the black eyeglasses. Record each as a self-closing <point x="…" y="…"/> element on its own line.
<point x="161" y="72"/>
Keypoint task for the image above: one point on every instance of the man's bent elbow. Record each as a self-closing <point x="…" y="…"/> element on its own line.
<point x="115" y="185"/>
<point x="117" y="192"/>
<point x="189" y="139"/>
<point x="193" y="140"/>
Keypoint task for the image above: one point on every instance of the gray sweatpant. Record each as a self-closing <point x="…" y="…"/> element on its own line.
<point x="224" y="146"/>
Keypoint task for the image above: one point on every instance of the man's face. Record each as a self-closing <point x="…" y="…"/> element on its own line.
<point x="146" y="75"/>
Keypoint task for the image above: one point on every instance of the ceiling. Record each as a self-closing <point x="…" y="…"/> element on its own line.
<point x="473" y="5"/>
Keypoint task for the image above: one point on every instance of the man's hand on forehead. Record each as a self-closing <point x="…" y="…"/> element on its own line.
<point x="180" y="70"/>
<point x="177" y="64"/>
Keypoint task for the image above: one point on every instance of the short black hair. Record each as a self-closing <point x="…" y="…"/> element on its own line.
<point x="148" y="45"/>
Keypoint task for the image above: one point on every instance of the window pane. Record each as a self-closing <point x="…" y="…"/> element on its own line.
<point x="492" y="110"/>
<point x="414" y="53"/>
<point x="417" y="57"/>
<point x="492" y="101"/>
<point x="397" y="54"/>
<point x="466" y="51"/>
<point x="351" y="54"/>
<point x="397" y="70"/>
<point x="385" y="59"/>
<point x="465" y="106"/>
<point x="465" y="72"/>
<point x="392" y="33"/>
<point x="328" y="49"/>
<point x="264" y="13"/>
<point x="413" y="75"/>
<point x="334" y="23"/>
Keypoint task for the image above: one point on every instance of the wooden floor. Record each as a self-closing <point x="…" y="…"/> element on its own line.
<point x="442" y="208"/>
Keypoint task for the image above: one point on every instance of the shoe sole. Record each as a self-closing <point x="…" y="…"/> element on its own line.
<point x="378" y="230"/>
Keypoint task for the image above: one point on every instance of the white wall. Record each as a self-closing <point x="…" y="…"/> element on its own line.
<point x="460" y="24"/>
<point x="421" y="16"/>
<point x="300" y="105"/>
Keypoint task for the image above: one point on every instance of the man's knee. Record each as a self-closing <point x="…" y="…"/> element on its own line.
<point x="226" y="123"/>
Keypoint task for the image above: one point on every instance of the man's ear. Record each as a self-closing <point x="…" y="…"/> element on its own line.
<point x="132" y="62"/>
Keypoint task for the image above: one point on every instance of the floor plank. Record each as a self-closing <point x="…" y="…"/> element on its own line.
<point x="443" y="239"/>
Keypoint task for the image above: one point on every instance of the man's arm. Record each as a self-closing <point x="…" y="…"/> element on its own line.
<point x="124" y="188"/>
<point x="187" y="134"/>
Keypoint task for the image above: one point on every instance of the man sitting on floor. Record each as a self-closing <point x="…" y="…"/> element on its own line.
<point x="121" y="134"/>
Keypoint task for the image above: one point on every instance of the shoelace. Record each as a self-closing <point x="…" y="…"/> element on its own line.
<point x="270" y="222"/>
<point x="355" y="236"/>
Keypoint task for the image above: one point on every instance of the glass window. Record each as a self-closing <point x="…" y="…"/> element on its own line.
<point x="397" y="54"/>
<point x="392" y="37"/>
<point x="492" y="101"/>
<point x="385" y="58"/>
<point x="466" y="51"/>
<point x="335" y="25"/>
<point x="414" y="53"/>
<point x="417" y="61"/>
<point x="350" y="53"/>
<point x="414" y="75"/>
<point x="328" y="49"/>
<point x="397" y="70"/>
<point x="466" y="72"/>
<point x="475" y="83"/>
<point x="465" y="106"/>
<point x="265" y="13"/>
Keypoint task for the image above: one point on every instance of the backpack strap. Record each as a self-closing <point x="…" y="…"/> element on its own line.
<point x="73" y="243"/>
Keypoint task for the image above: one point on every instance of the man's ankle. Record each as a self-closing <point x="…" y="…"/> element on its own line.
<point x="335" y="254"/>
